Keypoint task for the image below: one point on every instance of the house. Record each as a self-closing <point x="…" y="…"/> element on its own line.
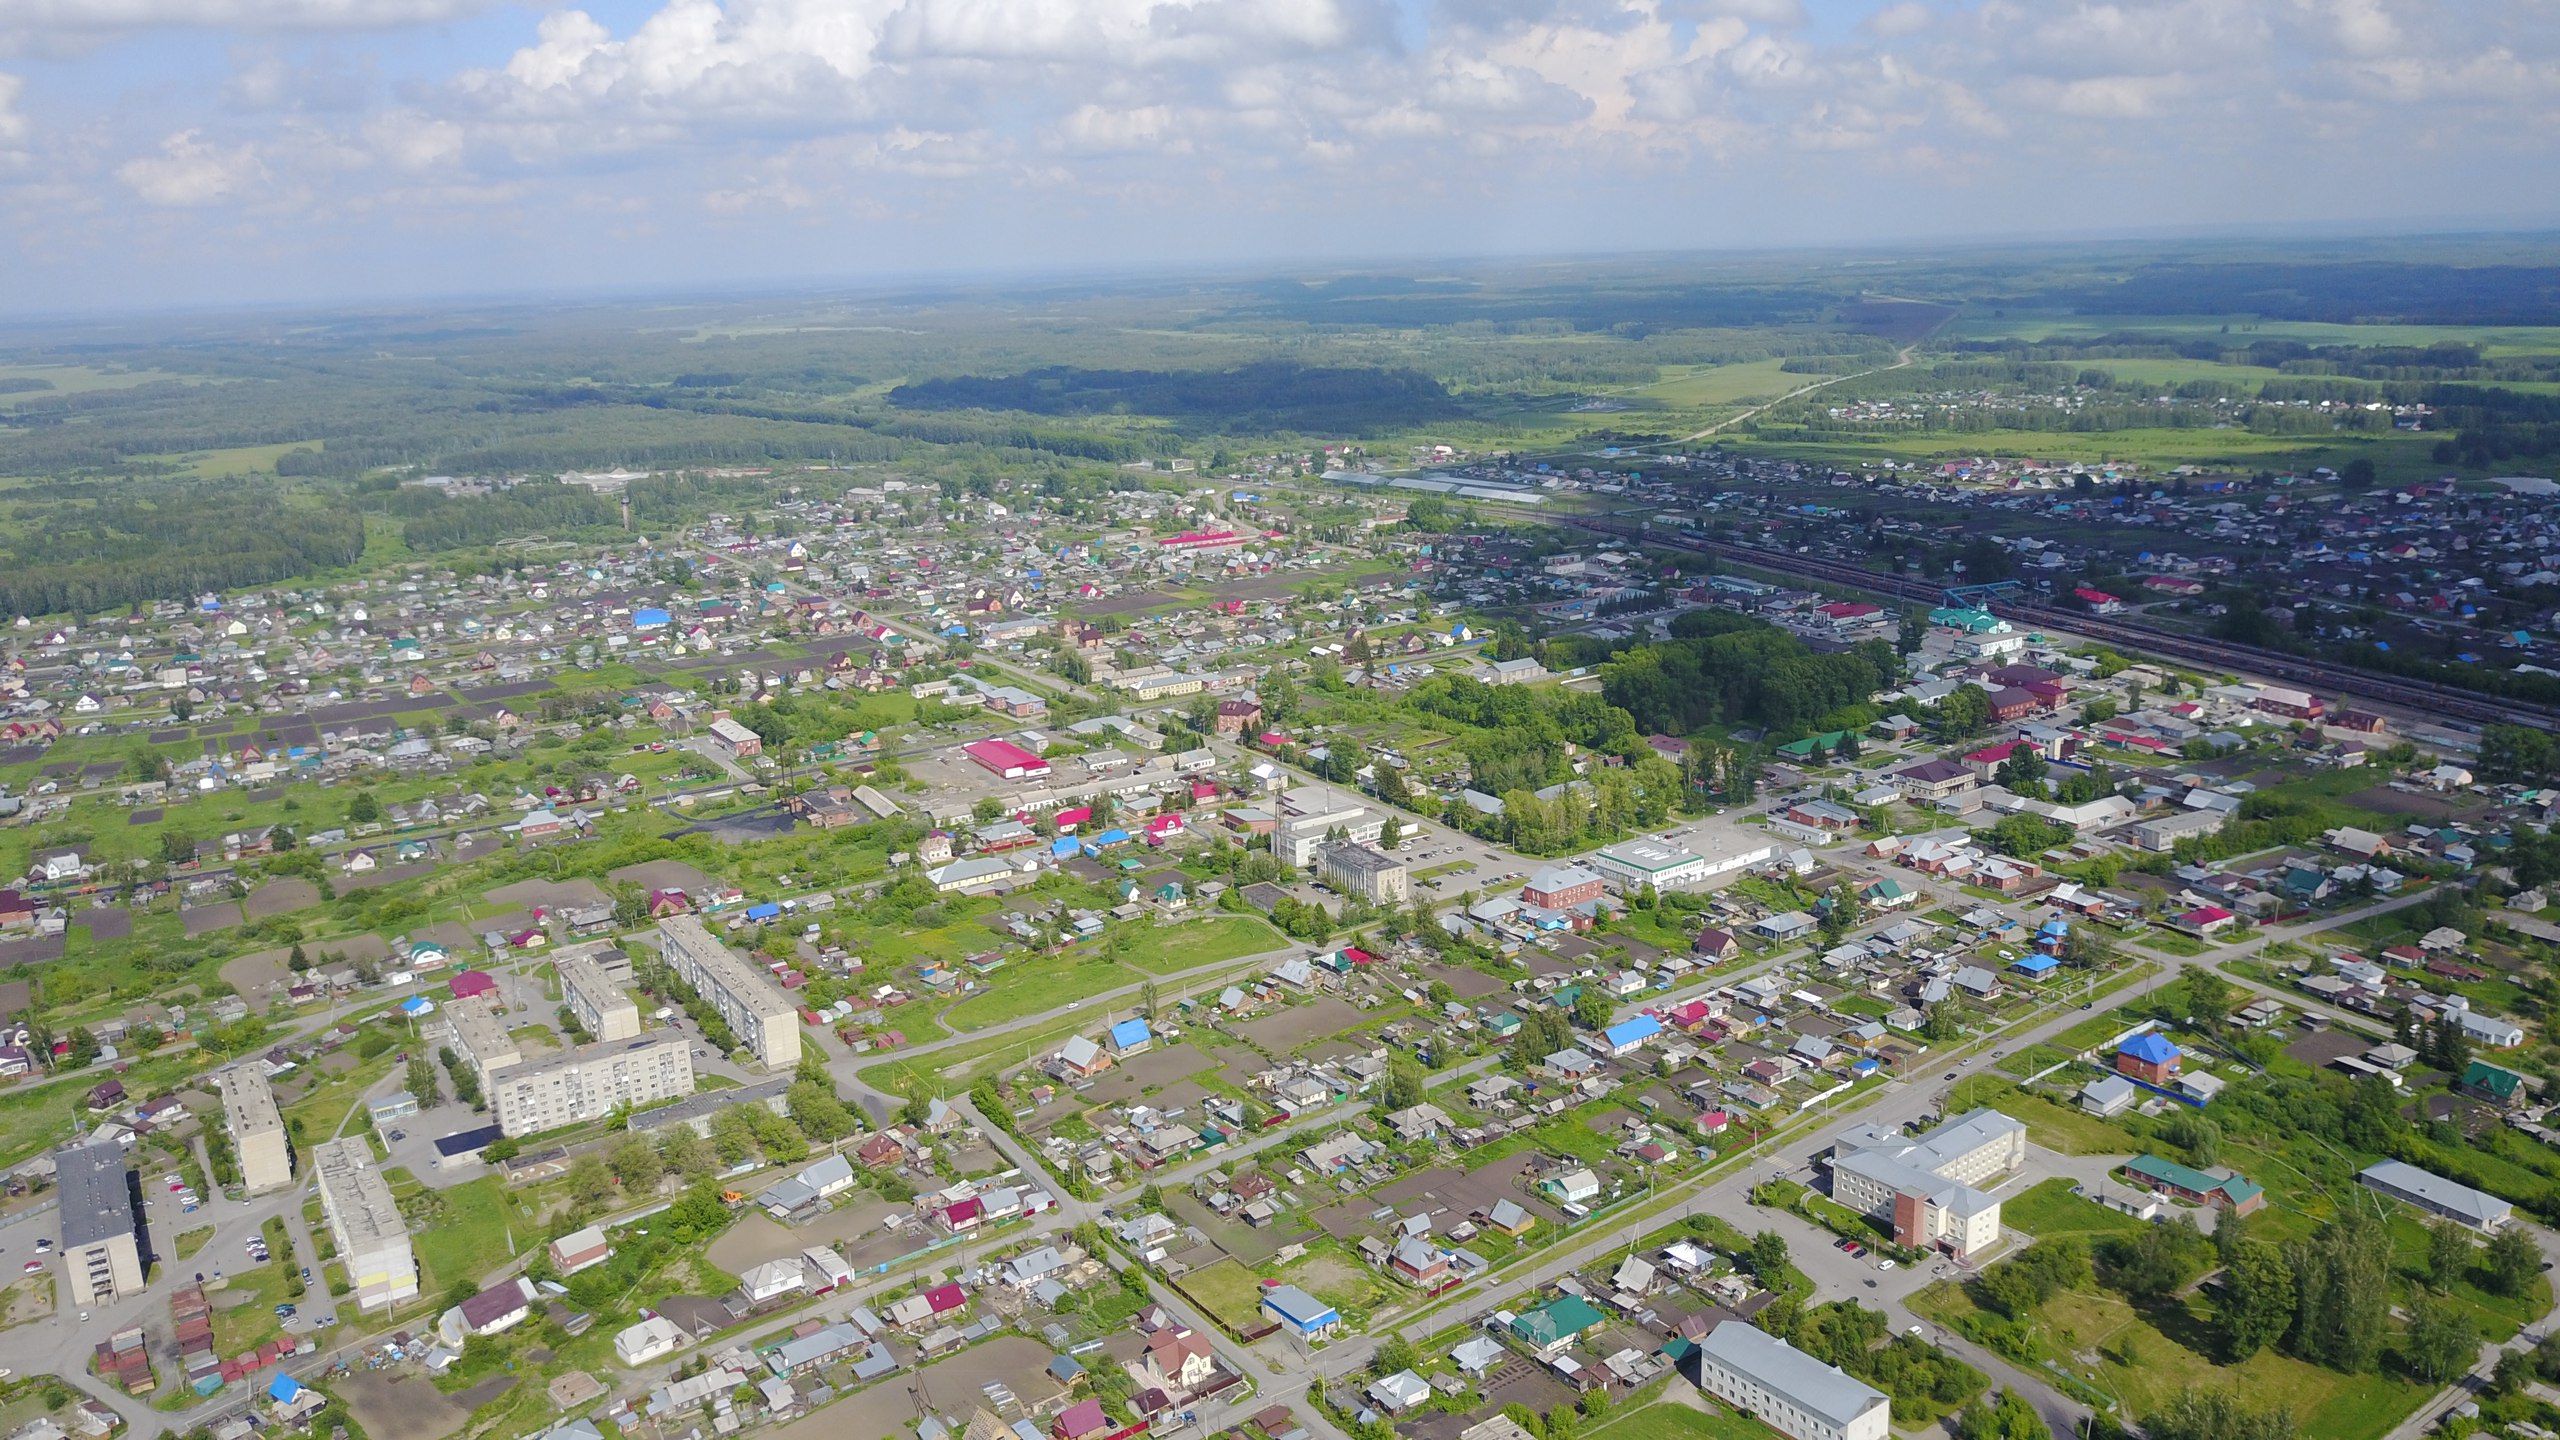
<point x="1399" y="1392"/>
<point x="2111" y="1095"/>
<point x="2168" y="1177"/>
<point x="499" y="1308"/>
<point x="2501" y="1087"/>
<point x="1131" y="1037"/>
<point x="1178" y="1360"/>
<point x="580" y="1249"/>
<point x="1418" y="1264"/>
<point x="1080" y="1421"/>
<point x="1553" y="1326"/>
<point x="2149" y="1058"/>
<point x="1577" y="1186"/>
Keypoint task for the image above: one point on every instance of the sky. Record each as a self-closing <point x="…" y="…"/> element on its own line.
<point x="219" y="152"/>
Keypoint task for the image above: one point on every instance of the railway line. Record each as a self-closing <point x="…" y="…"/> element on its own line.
<point x="2419" y="697"/>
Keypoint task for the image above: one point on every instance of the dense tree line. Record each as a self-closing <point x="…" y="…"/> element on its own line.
<point x="1722" y="668"/>
<point x="1273" y="395"/>
<point x="173" y="545"/>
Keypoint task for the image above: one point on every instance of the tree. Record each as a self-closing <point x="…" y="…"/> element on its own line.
<point x="2448" y="1254"/>
<point x="1279" y="697"/>
<point x="2157" y="1260"/>
<point x="2258" y="1303"/>
<point x="699" y="1213"/>
<point x="421" y="1083"/>
<point x="1394" y="1353"/>
<point x="2342" y="1293"/>
<point x="1404" y="1086"/>
<point x="85" y="1047"/>
<point x="1767" y="1255"/>
<point x="817" y="1111"/>
<point x="2009" y="1417"/>
<point x="2208" y="998"/>
<point x="2442" y="1342"/>
<point x="684" y="1153"/>
<point x="363" y="808"/>
<point x="636" y="1164"/>
<point x="2356" y="476"/>
<point x="1592" y="1008"/>
<point x="2512" y="1262"/>
<point x="2516" y="1369"/>
<point x="733" y="1135"/>
<point x="590" y="1182"/>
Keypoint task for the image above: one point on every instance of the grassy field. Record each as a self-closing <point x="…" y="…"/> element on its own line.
<point x="1692" y="387"/>
<point x="76" y="380"/>
<point x="2395" y="456"/>
<point x="1670" y="1420"/>
<point x="191" y="1241"/>
<point x="2051" y="1209"/>
<point x="1168" y="950"/>
<point x="479" y="1225"/>
<point x="2239" y="330"/>
<point x="1229" y="1292"/>
<point x="2054" y="1126"/>
<point x="236" y="461"/>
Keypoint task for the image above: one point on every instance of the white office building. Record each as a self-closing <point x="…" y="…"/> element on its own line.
<point x="1928" y="1186"/>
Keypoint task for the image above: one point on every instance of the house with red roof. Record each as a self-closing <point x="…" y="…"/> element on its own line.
<point x="472" y="982"/>
<point x="2098" y="601"/>
<point x="965" y="1216"/>
<point x="2204" y="920"/>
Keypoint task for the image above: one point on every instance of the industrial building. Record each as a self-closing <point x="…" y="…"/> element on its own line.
<point x="256" y="1128"/>
<point x="745" y="997"/>
<point x="364" y="1223"/>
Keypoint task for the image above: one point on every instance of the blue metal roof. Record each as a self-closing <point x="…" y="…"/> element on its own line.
<point x="765" y="911"/>
<point x="2150" y="1049"/>
<point x="1131" y="1032"/>
<point x="1628" y="1032"/>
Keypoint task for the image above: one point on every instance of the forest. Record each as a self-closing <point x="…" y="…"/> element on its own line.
<point x="1720" y="668"/>
<point x="1272" y="395"/>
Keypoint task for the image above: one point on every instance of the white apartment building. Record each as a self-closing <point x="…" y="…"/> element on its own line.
<point x="101" y="1256"/>
<point x="745" y="997"/>
<point x="592" y="995"/>
<point x="364" y="1223"/>
<point x="481" y="1037"/>
<point x="591" y="1081"/>
<point x="256" y="1128"/>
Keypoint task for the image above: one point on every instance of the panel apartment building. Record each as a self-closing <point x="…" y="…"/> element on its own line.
<point x="256" y="1128"/>
<point x="364" y="1223"/>
<point x="743" y="995"/>
<point x="101" y="1247"/>
<point x="593" y="992"/>
<point x="480" y="1036"/>
<point x="591" y="1081"/>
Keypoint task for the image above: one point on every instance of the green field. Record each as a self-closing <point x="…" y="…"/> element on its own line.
<point x="1671" y="1420"/>
<point x="2050" y="1208"/>
<point x="1171" y="949"/>
<point x="1699" y="386"/>
<point x="479" y="1225"/>
<point x="2239" y="330"/>
<point x="77" y="380"/>
<point x="231" y="463"/>
<point x="1229" y="1292"/>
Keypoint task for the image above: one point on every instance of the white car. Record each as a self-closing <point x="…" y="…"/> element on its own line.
<point x="1885" y="1264"/>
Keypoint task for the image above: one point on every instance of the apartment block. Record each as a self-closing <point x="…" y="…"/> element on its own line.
<point x="744" y="996"/>
<point x="591" y="1081"/>
<point x="481" y="1037"/>
<point x="256" y="1128"/>
<point x="592" y="994"/>
<point x="101" y="1248"/>
<point x="365" y="1223"/>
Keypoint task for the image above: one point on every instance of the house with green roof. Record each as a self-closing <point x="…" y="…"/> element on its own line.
<point x="1553" y="1326"/>
<point x="2484" y="1081"/>
<point x="2168" y="1177"/>
<point x="1813" y="747"/>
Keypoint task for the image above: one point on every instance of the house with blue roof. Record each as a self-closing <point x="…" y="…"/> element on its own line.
<point x="1131" y="1037"/>
<point x="1628" y="1036"/>
<point x="2149" y="1058"/>
<point x="2035" y="967"/>
<point x="767" y="911"/>
<point x="650" y="617"/>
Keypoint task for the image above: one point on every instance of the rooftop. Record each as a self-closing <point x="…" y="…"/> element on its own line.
<point x="97" y="1198"/>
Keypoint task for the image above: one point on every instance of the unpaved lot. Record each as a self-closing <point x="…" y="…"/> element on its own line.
<point x="1283" y="1033"/>
<point x="403" y="1408"/>
<point x="1016" y="1361"/>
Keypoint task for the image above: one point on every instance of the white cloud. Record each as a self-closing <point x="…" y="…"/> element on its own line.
<point x="1909" y="17"/>
<point x="99" y="16"/>
<point x="13" y="125"/>
<point x="190" y="172"/>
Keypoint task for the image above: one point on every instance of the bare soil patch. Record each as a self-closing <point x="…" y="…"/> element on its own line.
<point x="205" y="919"/>
<point x="662" y="875"/>
<point x="405" y="1407"/>
<point x="282" y="897"/>
<point x="1015" y="1361"/>
<point x="550" y="894"/>
<point x="1285" y="1032"/>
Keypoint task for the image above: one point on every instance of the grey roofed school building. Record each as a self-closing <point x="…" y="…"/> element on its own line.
<point x="1788" y="1389"/>
<point x="2436" y="1195"/>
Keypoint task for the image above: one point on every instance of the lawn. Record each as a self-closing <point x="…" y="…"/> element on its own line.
<point x="191" y="1241"/>
<point x="2050" y="1209"/>
<point x="1671" y="1420"/>
<point x="2109" y="1348"/>
<point x="478" y="1226"/>
<point x="2050" y="1124"/>
<point x="1171" y="949"/>
<point x="1229" y="1292"/>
